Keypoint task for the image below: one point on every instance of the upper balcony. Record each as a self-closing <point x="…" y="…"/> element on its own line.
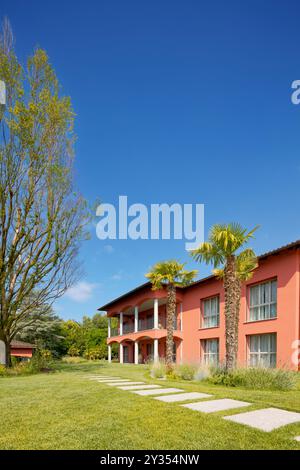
<point x="145" y="320"/>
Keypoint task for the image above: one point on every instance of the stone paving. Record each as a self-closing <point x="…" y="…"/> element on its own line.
<point x="183" y="397"/>
<point x="266" y="419"/>
<point x="212" y="406"/>
<point x="138" y="387"/>
<point x="115" y="384"/>
<point x="157" y="391"/>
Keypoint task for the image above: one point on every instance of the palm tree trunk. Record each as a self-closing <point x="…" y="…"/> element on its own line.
<point x="171" y="311"/>
<point x="230" y="313"/>
<point x="237" y="316"/>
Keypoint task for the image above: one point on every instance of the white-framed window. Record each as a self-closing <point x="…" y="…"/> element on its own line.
<point x="210" y="351"/>
<point x="262" y="350"/>
<point x="263" y="301"/>
<point x="210" y="312"/>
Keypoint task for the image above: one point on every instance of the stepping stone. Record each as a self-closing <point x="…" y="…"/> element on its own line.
<point x="297" y="438"/>
<point x="138" y="387"/>
<point x="108" y="378"/>
<point x="101" y="376"/>
<point x="216" y="405"/>
<point x="115" y="384"/>
<point x="182" y="397"/>
<point x="267" y="419"/>
<point x="157" y="392"/>
<point x="111" y="380"/>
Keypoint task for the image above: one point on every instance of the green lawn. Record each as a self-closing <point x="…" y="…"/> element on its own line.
<point x="65" y="411"/>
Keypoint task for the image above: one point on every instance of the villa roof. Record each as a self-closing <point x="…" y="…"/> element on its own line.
<point x="21" y="345"/>
<point x="289" y="246"/>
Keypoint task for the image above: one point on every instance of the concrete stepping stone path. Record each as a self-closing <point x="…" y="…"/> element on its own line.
<point x="266" y="419"/>
<point x="111" y="380"/>
<point x="157" y="391"/>
<point x="115" y="384"/>
<point x="182" y="397"/>
<point x="212" y="406"/>
<point x="107" y="378"/>
<point x="138" y="387"/>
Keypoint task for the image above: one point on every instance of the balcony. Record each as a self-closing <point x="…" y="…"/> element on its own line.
<point x="146" y="324"/>
<point x="128" y="328"/>
<point x="114" y="332"/>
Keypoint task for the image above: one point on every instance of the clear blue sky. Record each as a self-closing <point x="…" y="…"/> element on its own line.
<point x="176" y="101"/>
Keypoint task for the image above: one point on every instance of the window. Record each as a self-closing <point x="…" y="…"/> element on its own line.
<point x="211" y="312"/>
<point x="210" y="351"/>
<point x="263" y="301"/>
<point x="262" y="350"/>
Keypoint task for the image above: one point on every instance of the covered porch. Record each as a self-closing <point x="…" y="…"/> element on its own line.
<point x="146" y="349"/>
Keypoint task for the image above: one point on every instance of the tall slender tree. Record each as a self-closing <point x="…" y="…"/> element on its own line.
<point x="170" y="274"/>
<point x="42" y="219"/>
<point x="233" y="268"/>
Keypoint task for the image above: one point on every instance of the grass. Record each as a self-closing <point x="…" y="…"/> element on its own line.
<point x="66" y="411"/>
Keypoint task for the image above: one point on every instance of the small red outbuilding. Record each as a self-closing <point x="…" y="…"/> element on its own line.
<point x="21" y="349"/>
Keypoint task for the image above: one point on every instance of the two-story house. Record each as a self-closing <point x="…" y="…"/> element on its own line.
<point x="269" y="325"/>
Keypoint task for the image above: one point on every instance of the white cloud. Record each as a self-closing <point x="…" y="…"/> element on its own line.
<point x="82" y="291"/>
<point x="108" y="249"/>
<point x="118" y="276"/>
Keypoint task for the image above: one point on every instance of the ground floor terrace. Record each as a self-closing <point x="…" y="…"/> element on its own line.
<point x="146" y="350"/>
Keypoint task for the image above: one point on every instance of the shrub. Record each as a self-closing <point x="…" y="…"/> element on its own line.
<point x="158" y="370"/>
<point x="74" y="351"/>
<point x="95" y="353"/>
<point x="185" y="371"/>
<point x="73" y="359"/>
<point x="203" y="372"/>
<point x="256" y="378"/>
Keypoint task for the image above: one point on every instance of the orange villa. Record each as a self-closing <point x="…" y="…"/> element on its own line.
<point x="269" y="331"/>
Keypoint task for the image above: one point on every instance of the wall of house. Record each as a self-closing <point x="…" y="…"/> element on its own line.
<point x="285" y="267"/>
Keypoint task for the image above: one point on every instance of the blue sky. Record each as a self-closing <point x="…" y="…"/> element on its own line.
<point x="176" y="101"/>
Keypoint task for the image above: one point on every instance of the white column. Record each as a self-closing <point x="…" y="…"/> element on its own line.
<point x="121" y="323"/>
<point x="109" y="328"/>
<point x="155" y="351"/>
<point x="155" y="312"/>
<point x="109" y="353"/>
<point x="121" y="353"/>
<point x="136" y="352"/>
<point x="136" y="319"/>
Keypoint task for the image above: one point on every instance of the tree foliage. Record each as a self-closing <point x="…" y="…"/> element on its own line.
<point x="42" y="219"/>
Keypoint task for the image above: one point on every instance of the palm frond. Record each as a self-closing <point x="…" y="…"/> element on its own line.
<point x="246" y="263"/>
<point x="208" y="253"/>
<point x="170" y="272"/>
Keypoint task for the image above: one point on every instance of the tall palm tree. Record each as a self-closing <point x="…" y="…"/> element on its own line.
<point x="233" y="268"/>
<point x="170" y="274"/>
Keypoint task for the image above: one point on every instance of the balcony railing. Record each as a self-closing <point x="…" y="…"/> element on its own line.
<point x="114" y="332"/>
<point x="128" y="328"/>
<point x="146" y="324"/>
